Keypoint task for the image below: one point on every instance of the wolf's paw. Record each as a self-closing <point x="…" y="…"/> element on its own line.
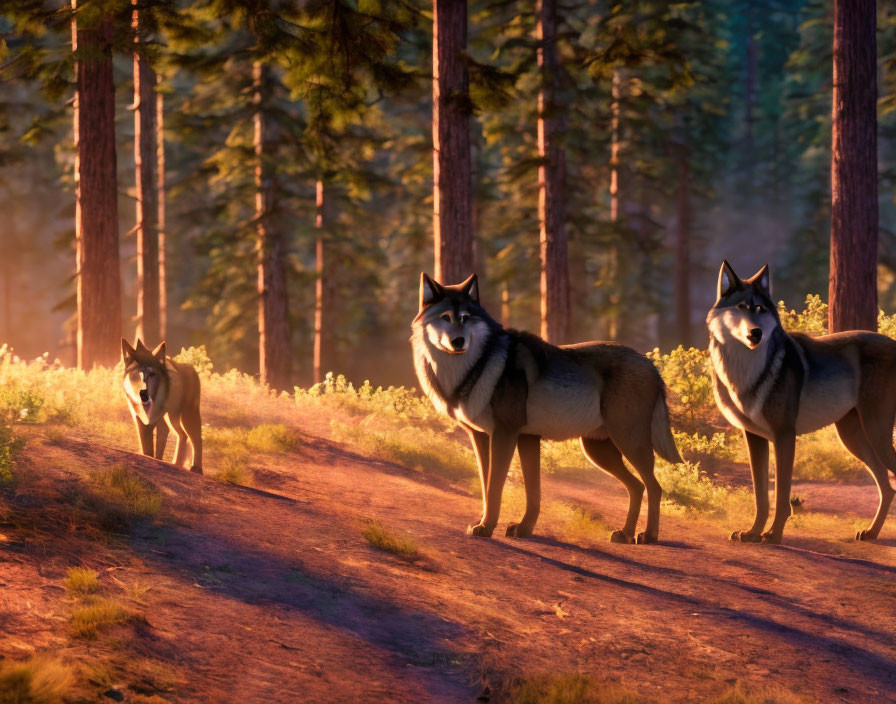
<point x="646" y="538"/>
<point x="772" y="538"/>
<point x="620" y="536"/>
<point x="745" y="536"/>
<point x="865" y="535"/>
<point x="480" y="530"/>
<point x="197" y="470"/>
<point x="518" y="530"/>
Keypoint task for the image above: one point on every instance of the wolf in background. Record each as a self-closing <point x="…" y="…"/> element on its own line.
<point x="510" y="389"/>
<point x="157" y="388"/>
<point x="775" y="386"/>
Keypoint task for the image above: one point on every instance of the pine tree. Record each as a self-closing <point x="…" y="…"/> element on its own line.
<point x="852" y="294"/>
<point x="96" y="219"/>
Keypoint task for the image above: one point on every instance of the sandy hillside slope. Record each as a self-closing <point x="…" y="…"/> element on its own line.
<point x="272" y="593"/>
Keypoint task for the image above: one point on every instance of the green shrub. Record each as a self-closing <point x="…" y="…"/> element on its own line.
<point x="718" y="445"/>
<point x="686" y="485"/>
<point x="272" y="438"/>
<point x="196" y="357"/>
<point x="688" y="374"/>
<point x="813" y="319"/>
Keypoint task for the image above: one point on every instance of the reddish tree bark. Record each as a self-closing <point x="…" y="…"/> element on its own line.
<point x="322" y="293"/>
<point x="852" y="292"/>
<point x="551" y="184"/>
<point x="452" y="188"/>
<point x="683" y="253"/>
<point x="146" y="169"/>
<point x="163" y="273"/>
<point x="274" y="354"/>
<point x="96" y="187"/>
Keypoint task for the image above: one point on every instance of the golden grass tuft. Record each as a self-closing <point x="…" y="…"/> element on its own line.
<point x="81" y="581"/>
<point x="40" y="680"/>
<point x="567" y="688"/>
<point x="269" y="437"/>
<point x="88" y="620"/>
<point x="739" y="695"/>
<point x="139" y="497"/>
<point x="382" y="539"/>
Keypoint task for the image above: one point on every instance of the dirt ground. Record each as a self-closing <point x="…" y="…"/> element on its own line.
<point x="271" y="594"/>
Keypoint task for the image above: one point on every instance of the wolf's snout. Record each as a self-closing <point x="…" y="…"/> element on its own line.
<point x="755" y="335"/>
<point x="458" y="343"/>
<point x="144" y="395"/>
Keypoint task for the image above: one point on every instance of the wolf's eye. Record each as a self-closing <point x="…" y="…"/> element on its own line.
<point x="464" y="318"/>
<point x="150" y="373"/>
<point x="743" y="306"/>
<point x="760" y="309"/>
<point x="447" y="317"/>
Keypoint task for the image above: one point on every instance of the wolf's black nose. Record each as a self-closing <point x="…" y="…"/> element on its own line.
<point x="458" y="343"/>
<point x="755" y="335"/>
<point x="144" y="395"/>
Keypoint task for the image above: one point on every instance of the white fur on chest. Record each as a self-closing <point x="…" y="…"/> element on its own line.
<point x="450" y="371"/>
<point x="739" y="369"/>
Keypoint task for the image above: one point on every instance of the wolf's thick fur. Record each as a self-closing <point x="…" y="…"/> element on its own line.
<point x="510" y="389"/>
<point x="158" y="388"/>
<point x="775" y="386"/>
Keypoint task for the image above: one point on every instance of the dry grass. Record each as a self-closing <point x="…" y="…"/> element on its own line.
<point x="739" y="695"/>
<point x="566" y="688"/>
<point x="40" y="680"/>
<point x="81" y="581"/>
<point x="139" y="497"/>
<point x="383" y="539"/>
<point x="87" y="621"/>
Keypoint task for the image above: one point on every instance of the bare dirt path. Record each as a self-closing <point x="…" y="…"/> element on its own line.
<point x="272" y="594"/>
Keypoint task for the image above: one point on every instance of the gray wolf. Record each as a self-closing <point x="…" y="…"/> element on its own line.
<point x="510" y="389"/>
<point x="774" y="386"/>
<point x="158" y="388"/>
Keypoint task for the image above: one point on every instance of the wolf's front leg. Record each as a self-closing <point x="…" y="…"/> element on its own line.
<point x="529" y="447"/>
<point x="480" y="448"/>
<point x="144" y="432"/>
<point x="501" y="446"/>
<point x="758" y="449"/>
<point x="161" y="440"/>
<point x="785" y="448"/>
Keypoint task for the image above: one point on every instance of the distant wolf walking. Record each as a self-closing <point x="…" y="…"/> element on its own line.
<point x="510" y="389"/>
<point x="775" y="386"/>
<point x="158" y="388"/>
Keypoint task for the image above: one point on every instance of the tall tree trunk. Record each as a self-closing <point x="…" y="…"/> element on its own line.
<point x="452" y="190"/>
<point x="852" y="292"/>
<point x="96" y="187"/>
<point x="682" y="253"/>
<point x="274" y="354"/>
<point x="145" y="162"/>
<point x="551" y="184"/>
<point x="322" y="292"/>
<point x="163" y="272"/>
<point x="615" y="177"/>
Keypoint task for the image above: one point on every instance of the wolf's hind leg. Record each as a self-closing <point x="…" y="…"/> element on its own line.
<point x="856" y="440"/>
<point x="529" y="447"/>
<point x="161" y="440"/>
<point x="180" y="449"/>
<point x="606" y="456"/>
<point x="192" y="423"/>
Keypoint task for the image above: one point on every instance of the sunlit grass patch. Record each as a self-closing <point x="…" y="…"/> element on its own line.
<point x="81" y="581"/>
<point x="687" y="486"/>
<point x="567" y="688"/>
<point x="383" y="539"/>
<point x="139" y="497"/>
<point x="741" y="695"/>
<point x="86" y="621"/>
<point x="272" y="438"/>
<point x="233" y="467"/>
<point x="821" y="456"/>
<point x="40" y="680"/>
<point x="416" y="447"/>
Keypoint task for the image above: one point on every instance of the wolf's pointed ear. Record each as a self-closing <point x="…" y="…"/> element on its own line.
<point x="159" y="352"/>
<point x="728" y="280"/>
<point x="140" y="347"/>
<point x="764" y="279"/>
<point x="430" y="290"/>
<point x="471" y="287"/>
<point x="127" y="352"/>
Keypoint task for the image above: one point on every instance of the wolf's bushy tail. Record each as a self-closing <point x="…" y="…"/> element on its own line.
<point x="661" y="433"/>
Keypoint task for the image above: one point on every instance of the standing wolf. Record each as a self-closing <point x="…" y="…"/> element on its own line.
<point x="775" y="386"/>
<point x="157" y="388"/>
<point x="510" y="389"/>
